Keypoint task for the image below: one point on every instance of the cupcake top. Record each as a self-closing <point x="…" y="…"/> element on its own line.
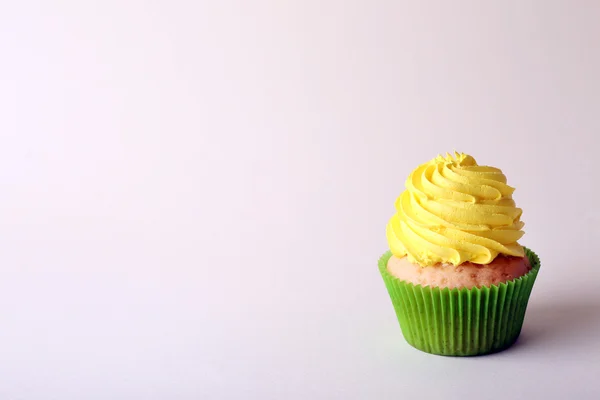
<point x="454" y="211"/>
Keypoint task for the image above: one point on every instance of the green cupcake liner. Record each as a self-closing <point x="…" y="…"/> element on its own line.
<point x="461" y="322"/>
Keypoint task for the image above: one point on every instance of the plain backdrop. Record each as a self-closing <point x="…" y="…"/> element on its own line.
<point x="193" y="194"/>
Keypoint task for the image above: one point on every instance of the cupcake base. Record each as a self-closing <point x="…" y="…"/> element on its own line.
<point x="461" y="322"/>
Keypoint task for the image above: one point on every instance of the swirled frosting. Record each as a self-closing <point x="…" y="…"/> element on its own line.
<point x="454" y="211"/>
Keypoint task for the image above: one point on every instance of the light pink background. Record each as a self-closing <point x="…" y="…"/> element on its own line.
<point x="194" y="194"/>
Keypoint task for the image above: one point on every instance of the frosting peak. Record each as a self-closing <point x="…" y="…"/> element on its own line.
<point x="454" y="210"/>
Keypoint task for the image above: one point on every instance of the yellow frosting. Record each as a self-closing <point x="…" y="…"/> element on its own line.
<point x="454" y="211"/>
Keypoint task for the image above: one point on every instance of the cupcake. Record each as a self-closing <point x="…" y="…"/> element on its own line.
<point x="458" y="279"/>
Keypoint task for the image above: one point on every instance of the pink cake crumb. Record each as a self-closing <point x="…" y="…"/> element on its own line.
<point x="467" y="275"/>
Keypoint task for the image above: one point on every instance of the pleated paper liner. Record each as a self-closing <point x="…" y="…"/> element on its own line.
<point x="461" y="322"/>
